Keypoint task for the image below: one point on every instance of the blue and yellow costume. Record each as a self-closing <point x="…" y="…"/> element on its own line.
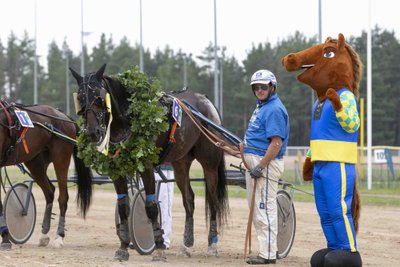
<point x="333" y="149"/>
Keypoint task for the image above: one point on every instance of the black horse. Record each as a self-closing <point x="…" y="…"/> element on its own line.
<point x="50" y="139"/>
<point x="190" y="144"/>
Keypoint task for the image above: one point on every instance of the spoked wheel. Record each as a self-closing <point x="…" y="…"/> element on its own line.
<point x="140" y="226"/>
<point x="286" y="223"/>
<point x="20" y="213"/>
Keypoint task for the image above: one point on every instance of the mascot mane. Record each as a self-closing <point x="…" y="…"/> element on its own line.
<point x="357" y="66"/>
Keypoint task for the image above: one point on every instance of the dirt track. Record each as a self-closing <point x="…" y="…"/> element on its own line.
<point x="92" y="242"/>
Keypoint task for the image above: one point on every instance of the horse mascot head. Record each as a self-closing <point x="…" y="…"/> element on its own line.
<point x="333" y="70"/>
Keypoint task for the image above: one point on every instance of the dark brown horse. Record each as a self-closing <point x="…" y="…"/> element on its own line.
<point x="190" y="145"/>
<point x="50" y="139"/>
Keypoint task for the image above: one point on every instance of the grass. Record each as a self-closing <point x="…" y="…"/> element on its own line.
<point x="382" y="194"/>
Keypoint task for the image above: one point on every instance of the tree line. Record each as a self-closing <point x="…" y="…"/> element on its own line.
<point x="174" y="69"/>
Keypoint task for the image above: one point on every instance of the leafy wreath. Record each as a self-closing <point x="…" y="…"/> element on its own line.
<point x="147" y="120"/>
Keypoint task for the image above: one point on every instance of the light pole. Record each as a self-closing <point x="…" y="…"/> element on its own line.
<point x="82" y="48"/>
<point x="184" y="71"/>
<point x="319" y="41"/>
<point x="141" y="40"/>
<point x="221" y="90"/>
<point x="35" y="89"/>
<point x="216" y="95"/>
<point x="66" y="78"/>
<point x="369" y="100"/>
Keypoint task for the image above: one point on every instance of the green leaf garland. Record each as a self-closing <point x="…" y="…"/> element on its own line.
<point x="147" y="120"/>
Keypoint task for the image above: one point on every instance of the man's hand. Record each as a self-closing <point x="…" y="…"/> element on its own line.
<point x="256" y="172"/>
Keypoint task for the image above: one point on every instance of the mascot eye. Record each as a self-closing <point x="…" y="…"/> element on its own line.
<point x="329" y="54"/>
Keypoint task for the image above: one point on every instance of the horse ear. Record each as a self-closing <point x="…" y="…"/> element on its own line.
<point x="100" y="72"/>
<point x="341" y="41"/>
<point x="77" y="77"/>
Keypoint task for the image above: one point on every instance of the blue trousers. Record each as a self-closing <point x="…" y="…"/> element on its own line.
<point x="333" y="189"/>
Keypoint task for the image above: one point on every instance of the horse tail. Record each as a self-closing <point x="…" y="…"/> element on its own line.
<point x="84" y="182"/>
<point x="356" y="207"/>
<point x="222" y="194"/>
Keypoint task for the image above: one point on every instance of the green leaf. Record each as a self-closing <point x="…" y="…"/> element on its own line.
<point x="147" y="121"/>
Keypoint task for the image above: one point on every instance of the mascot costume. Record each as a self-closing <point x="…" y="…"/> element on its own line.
<point x="333" y="69"/>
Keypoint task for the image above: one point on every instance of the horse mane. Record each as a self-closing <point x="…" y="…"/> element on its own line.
<point x="119" y="94"/>
<point x="357" y="66"/>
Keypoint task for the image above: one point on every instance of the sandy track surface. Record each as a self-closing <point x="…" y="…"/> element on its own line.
<point x="92" y="242"/>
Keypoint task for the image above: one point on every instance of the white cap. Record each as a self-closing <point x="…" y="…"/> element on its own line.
<point x="263" y="77"/>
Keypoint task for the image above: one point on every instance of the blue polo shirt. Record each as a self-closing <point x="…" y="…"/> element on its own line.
<point x="269" y="119"/>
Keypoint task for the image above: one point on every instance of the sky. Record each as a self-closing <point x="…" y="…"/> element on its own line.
<point x="188" y="25"/>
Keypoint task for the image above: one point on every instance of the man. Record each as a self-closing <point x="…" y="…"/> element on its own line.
<point x="166" y="197"/>
<point x="265" y="143"/>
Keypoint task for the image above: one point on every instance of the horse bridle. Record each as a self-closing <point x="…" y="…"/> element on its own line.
<point x="98" y="100"/>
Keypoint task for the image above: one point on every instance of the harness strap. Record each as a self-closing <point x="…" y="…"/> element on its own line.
<point x="8" y="117"/>
<point x="22" y="137"/>
<point x="172" y="133"/>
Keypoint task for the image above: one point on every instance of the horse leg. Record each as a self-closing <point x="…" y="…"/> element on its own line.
<point x="5" y="243"/>
<point x="214" y="175"/>
<point x="121" y="188"/>
<point x="38" y="167"/>
<point x="210" y="177"/>
<point x="61" y="165"/>
<point x="151" y="206"/>
<point x="181" y="170"/>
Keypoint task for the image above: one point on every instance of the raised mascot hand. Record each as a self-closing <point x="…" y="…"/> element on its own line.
<point x="308" y="168"/>
<point x="334" y="98"/>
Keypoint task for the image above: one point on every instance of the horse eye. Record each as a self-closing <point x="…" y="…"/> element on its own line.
<point x="329" y="54"/>
<point x="98" y="102"/>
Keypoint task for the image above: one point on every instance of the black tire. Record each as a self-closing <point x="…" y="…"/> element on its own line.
<point x="286" y="223"/>
<point x="20" y="225"/>
<point x="140" y="227"/>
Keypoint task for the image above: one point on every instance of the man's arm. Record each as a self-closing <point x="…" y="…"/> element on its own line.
<point x="272" y="151"/>
<point x="270" y="154"/>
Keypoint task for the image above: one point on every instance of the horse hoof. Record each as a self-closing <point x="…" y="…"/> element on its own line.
<point x="44" y="241"/>
<point x="160" y="256"/>
<point x="212" y="250"/>
<point x="5" y="246"/>
<point x="185" y="251"/>
<point x="121" y="255"/>
<point x="58" y="242"/>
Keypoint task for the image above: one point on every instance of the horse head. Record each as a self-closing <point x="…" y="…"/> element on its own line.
<point x="332" y="64"/>
<point x="90" y="103"/>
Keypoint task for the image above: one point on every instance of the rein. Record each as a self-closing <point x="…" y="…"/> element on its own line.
<point x="213" y="138"/>
<point x="8" y="117"/>
<point x="42" y="114"/>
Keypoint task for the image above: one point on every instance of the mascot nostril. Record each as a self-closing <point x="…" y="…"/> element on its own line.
<point x="333" y="70"/>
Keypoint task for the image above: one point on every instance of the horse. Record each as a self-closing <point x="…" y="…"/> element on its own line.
<point x="333" y="70"/>
<point x="36" y="136"/>
<point x="190" y="144"/>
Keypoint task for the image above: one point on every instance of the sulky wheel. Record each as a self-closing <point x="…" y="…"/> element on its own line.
<point x="140" y="227"/>
<point x="286" y="223"/>
<point x="20" y="213"/>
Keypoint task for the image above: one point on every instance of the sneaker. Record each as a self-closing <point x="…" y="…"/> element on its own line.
<point x="259" y="260"/>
